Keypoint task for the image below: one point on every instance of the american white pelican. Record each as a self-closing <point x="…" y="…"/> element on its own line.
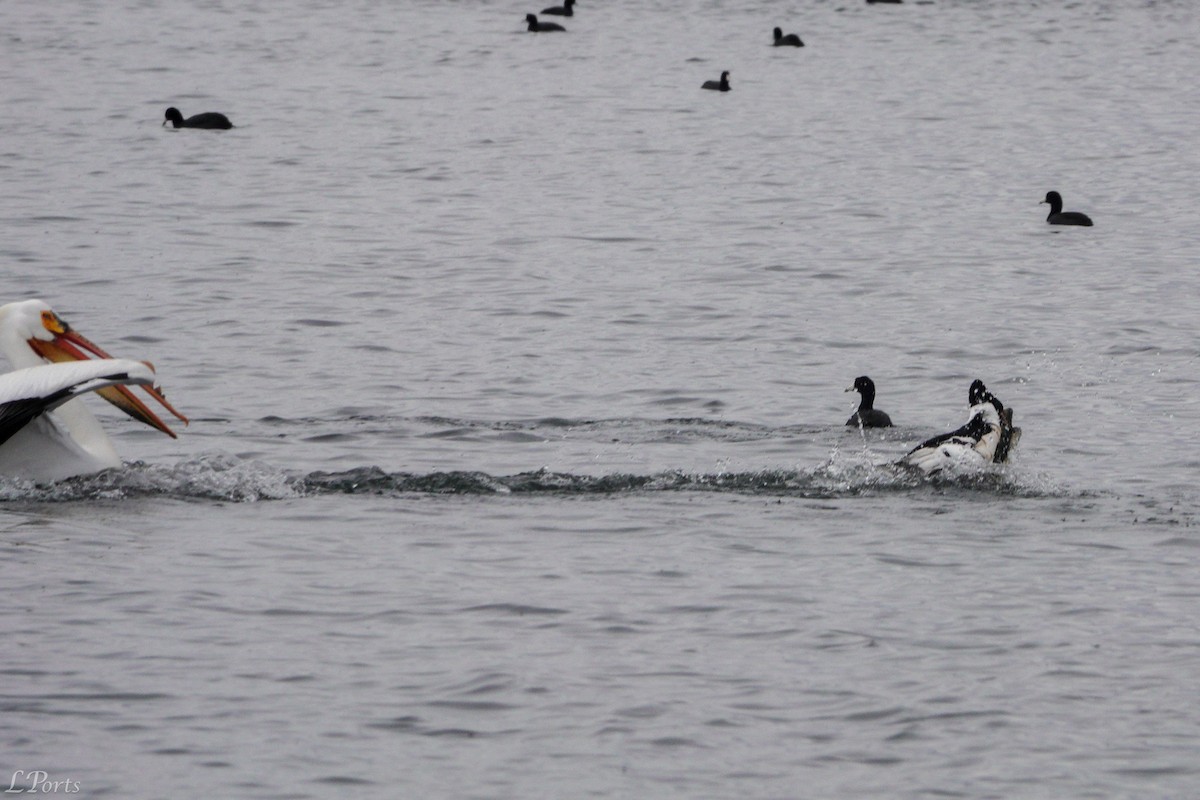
<point x="59" y="437"/>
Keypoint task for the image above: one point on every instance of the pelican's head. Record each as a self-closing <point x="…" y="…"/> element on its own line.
<point x="31" y="334"/>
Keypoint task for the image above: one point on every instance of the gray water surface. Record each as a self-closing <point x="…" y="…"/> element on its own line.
<point x="515" y="365"/>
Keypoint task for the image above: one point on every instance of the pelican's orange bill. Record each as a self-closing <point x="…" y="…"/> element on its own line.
<point x="69" y="345"/>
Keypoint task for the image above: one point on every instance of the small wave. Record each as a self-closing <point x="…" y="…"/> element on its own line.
<point x="213" y="477"/>
<point x="228" y="478"/>
<point x="673" y="429"/>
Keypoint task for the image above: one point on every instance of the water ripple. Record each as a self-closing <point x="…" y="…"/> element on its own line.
<point x="229" y="478"/>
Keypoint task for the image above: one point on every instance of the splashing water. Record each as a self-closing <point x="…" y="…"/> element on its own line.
<point x="228" y="478"/>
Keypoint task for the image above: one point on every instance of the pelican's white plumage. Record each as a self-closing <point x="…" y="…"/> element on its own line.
<point x="35" y="447"/>
<point x="48" y="433"/>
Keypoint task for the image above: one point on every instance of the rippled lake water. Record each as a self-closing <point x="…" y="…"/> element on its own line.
<point x="515" y="364"/>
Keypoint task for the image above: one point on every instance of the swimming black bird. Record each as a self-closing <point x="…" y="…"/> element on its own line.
<point x="542" y="27"/>
<point x="867" y="415"/>
<point x="791" y="40"/>
<point x="564" y="10"/>
<point x="1059" y="217"/>
<point x="720" y="86"/>
<point x="210" y="120"/>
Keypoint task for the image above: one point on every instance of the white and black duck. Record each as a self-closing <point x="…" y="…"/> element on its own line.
<point x="987" y="438"/>
<point x="1009" y="435"/>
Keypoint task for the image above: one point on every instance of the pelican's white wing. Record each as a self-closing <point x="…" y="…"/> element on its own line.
<point x="33" y="443"/>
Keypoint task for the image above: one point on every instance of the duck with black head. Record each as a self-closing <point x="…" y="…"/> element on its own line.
<point x="209" y="120"/>
<point x="565" y="10"/>
<point x="718" y="86"/>
<point x="791" y="40"/>
<point x="542" y="27"/>
<point x="867" y="416"/>
<point x="1059" y="217"/>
